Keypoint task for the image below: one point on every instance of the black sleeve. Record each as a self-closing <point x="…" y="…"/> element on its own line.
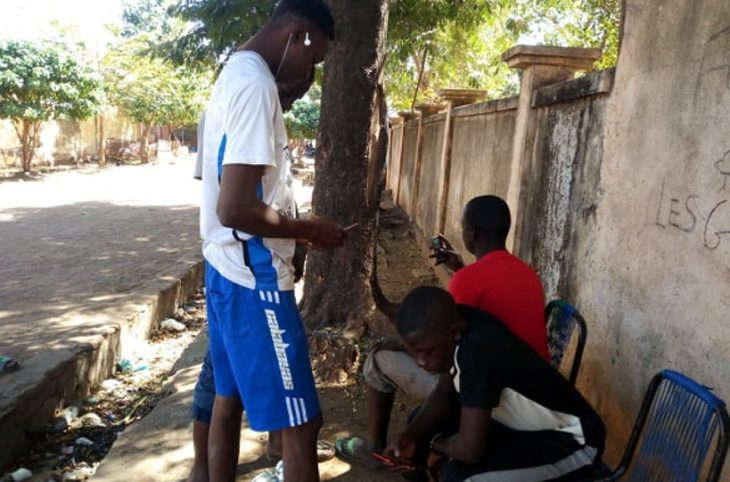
<point x="480" y="371"/>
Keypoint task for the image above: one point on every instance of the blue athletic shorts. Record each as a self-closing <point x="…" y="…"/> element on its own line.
<point x="204" y="394"/>
<point x="260" y="352"/>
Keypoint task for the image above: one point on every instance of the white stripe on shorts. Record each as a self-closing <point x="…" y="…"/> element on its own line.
<point x="276" y="297"/>
<point x="262" y="295"/>
<point x="304" y="410"/>
<point x="268" y="296"/>
<point x="288" y="409"/>
<point x="296" y="412"/>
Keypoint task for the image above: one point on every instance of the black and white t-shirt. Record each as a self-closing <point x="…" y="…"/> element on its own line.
<point x="495" y="369"/>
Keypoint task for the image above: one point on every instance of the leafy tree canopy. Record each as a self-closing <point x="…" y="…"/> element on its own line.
<point x="39" y="83"/>
<point x="462" y="39"/>
<point x="302" y="121"/>
<point x="152" y="91"/>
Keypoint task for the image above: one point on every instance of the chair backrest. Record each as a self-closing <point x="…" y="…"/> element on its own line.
<point x="679" y="423"/>
<point x="563" y="321"/>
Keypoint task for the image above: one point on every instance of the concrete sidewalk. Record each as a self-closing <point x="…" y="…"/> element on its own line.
<point x="90" y="262"/>
<point x="159" y="448"/>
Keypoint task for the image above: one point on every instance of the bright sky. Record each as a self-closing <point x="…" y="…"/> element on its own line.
<point x="31" y="19"/>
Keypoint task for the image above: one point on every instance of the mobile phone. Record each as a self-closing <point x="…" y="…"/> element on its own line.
<point x="437" y="243"/>
<point x="394" y="463"/>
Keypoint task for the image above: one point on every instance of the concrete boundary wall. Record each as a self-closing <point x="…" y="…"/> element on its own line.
<point x="618" y="183"/>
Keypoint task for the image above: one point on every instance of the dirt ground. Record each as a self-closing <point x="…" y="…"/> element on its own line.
<point x="61" y="454"/>
<point x="402" y="266"/>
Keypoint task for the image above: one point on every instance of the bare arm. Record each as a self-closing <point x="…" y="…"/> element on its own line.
<point x="470" y="443"/>
<point x="436" y="408"/>
<point x="442" y="400"/>
<point x="239" y="208"/>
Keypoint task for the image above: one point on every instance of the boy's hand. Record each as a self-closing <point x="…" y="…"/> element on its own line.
<point x="325" y="234"/>
<point x="448" y="255"/>
<point x="403" y="447"/>
<point x="434" y="466"/>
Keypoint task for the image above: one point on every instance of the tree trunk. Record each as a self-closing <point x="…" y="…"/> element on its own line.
<point x="27" y="132"/>
<point x="144" y="144"/>
<point x="102" y="143"/>
<point x="349" y="160"/>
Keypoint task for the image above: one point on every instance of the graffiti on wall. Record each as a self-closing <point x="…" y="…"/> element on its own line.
<point x="714" y="72"/>
<point x="706" y="212"/>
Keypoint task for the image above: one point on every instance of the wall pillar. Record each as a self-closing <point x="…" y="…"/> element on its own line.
<point x="540" y="66"/>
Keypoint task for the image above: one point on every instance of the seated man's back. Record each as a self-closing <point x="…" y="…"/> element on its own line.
<point x="501" y="284"/>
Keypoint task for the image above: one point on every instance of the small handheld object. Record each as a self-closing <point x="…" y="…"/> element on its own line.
<point x="439" y="249"/>
<point x="394" y="463"/>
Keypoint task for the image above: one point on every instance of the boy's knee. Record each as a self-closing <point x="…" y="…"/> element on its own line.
<point x="373" y="373"/>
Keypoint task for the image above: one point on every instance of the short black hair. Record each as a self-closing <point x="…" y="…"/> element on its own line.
<point x="489" y="216"/>
<point x="316" y="11"/>
<point x="425" y="311"/>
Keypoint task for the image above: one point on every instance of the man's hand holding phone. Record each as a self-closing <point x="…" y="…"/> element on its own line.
<point x="444" y="253"/>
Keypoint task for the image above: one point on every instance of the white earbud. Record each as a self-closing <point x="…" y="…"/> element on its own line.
<point x="307" y="41"/>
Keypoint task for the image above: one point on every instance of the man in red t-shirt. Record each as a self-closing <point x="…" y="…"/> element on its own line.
<point x="498" y="283"/>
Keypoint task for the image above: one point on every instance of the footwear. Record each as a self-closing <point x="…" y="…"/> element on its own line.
<point x="279" y="471"/>
<point x="8" y="364"/>
<point x="325" y="451"/>
<point x="269" y="475"/>
<point x="355" y="450"/>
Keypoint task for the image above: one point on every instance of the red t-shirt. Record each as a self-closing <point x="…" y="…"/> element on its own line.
<point x="504" y="286"/>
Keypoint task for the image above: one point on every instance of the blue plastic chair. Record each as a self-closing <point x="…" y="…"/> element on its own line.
<point x="562" y="321"/>
<point x="680" y="434"/>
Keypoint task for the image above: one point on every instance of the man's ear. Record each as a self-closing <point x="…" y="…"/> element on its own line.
<point x="470" y="235"/>
<point x="301" y="36"/>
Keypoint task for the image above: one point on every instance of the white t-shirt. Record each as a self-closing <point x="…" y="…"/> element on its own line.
<point x="244" y="124"/>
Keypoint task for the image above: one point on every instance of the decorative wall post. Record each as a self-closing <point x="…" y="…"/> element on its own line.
<point x="540" y="66"/>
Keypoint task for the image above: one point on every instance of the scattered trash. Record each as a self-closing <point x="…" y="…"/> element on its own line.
<point x="8" y="364"/>
<point x="90" y="420"/>
<point x="65" y="418"/>
<point x="86" y="432"/>
<point x="21" y="474"/>
<point x="179" y="312"/>
<point x="109" y="384"/>
<point x="82" y="473"/>
<point x="127" y="366"/>
<point x="84" y="441"/>
<point x="172" y="325"/>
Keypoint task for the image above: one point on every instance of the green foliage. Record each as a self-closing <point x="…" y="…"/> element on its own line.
<point x="584" y="23"/>
<point x="463" y="39"/>
<point x="38" y="83"/>
<point x="152" y="91"/>
<point x="217" y="26"/>
<point x="302" y="121"/>
<point x="148" y="17"/>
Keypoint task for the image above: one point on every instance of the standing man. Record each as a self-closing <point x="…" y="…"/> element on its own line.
<point x="257" y="340"/>
<point x="204" y="396"/>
